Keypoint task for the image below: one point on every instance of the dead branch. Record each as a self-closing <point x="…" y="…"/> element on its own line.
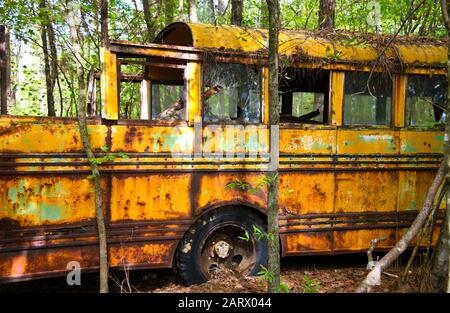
<point x="374" y="277"/>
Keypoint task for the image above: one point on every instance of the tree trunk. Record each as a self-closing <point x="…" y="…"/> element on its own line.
<point x="73" y="20"/>
<point x="326" y="14"/>
<point x="148" y="19"/>
<point x="274" y="116"/>
<point x="104" y="30"/>
<point x="193" y="11"/>
<point x="180" y="10"/>
<point x="374" y="277"/>
<point x="236" y="12"/>
<point x="212" y="12"/>
<point x="53" y="59"/>
<point x="4" y="70"/>
<point x="48" y="75"/>
<point x="441" y="266"/>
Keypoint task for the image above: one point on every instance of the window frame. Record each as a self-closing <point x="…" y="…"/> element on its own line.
<point x="329" y="103"/>
<point x="150" y="121"/>
<point x="260" y="68"/>
<point x="436" y="127"/>
<point x="390" y="125"/>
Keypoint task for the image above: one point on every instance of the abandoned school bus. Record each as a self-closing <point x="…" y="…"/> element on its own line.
<point x="358" y="148"/>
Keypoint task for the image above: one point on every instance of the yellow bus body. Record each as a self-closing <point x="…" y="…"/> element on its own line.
<point x="340" y="186"/>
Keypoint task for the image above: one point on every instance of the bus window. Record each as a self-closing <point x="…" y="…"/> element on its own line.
<point x="426" y="100"/>
<point x="367" y="102"/>
<point x="231" y="93"/>
<point x="152" y="85"/>
<point x="168" y="102"/>
<point x="304" y="95"/>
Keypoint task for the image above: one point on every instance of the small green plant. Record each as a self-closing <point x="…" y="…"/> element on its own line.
<point x="282" y="288"/>
<point x="258" y="233"/>
<point x="265" y="274"/>
<point x="106" y="158"/>
<point x="310" y="286"/>
<point x="239" y="183"/>
<point x="246" y="236"/>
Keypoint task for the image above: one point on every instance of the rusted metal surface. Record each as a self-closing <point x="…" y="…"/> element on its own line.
<point x="237" y="40"/>
<point x="340" y="186"/>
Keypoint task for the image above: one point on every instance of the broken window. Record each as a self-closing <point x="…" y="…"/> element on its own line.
<point x="232" y="92"/>
<point x="367" y="102"/>
<point x="168" y="102"/>
<point x="130" y="89"/>
<point x="426" y="100"/>
<point x="152" y="88"/>
<point x="304" y="95"/>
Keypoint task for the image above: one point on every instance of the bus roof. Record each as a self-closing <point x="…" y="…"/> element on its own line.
<point x="334" y="47"/>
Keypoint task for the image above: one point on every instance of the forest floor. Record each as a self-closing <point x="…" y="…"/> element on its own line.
<point x="323" y="274"/>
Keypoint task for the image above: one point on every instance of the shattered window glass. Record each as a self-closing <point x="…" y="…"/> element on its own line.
<point x="367" y="102"/>
<point x="231" y="93"/>
<point x="426" y="100"/>
<point x="168" y="102"/>
<point x="305" y="103"/>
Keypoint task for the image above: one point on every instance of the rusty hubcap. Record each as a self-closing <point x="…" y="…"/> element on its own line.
<point x="224" y="248"/>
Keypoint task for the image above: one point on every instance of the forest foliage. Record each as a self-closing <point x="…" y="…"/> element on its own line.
<point x="42" y="56"/>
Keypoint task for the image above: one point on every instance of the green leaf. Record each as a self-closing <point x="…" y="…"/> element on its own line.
<point x="246" y="237"/>
<point x="258" y="233"/>
<point x="282" y="288"/>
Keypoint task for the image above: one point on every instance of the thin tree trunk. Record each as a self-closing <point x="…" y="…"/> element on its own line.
<point x="180" y="10"/>
<point x="212" y="12"/>
<point x="104" y="23"/>
<point x="326" y="14"/>
<point x="274" y="116"/>
<point x="73" y="20"/>
<point x="193" y="11"/>
<point x="48" y="75"/>
<point x="374" y="277"/>
<point x="443" y="247"/>
<point x="4" y="69"/>
<point x="53" y="58"/>
<point x="148" y="19"/>
<point x="236" y="12"/>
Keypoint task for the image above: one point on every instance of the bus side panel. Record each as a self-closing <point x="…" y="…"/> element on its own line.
<point x="306" y="189"/>
<point x="427" y="146"/>
<point x="366" y="188"/>
<point x="213" y="190"/>
<point x="151" y="197"/>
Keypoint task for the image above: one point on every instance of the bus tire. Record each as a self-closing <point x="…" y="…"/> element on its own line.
<point x="222" y="238"/>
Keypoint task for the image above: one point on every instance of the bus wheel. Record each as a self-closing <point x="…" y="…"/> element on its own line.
<point x="222" y="239"/>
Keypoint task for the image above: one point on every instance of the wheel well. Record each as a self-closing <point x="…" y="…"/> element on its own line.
<point x="217" y="209"/>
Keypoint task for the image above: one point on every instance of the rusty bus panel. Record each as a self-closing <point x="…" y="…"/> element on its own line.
<point x="137" y="254"/>
<point x="210" y="190"/>
<point x="30" y="201"/>
<point x="45" y="262"/>
<point x="318" y="140"/>
<point x="367" y="141"/>
<point x="358" y="240"/>
<point x="306" y="193"/>
<point x="154" y="139"/>
<point x="359" y="191"/>
<point x="307" y="243"/>
<point x="415" y="141"/>
<point x="151" y="197"/>
<point x="40" y="135"/>
<point x="413" y="186"/>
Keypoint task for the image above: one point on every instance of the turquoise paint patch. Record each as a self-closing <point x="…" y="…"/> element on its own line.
<point x="409" y="148"/>
<point x="439" y="137"/>
<point x="321" y="146"/>
<point x="21" y="198"/>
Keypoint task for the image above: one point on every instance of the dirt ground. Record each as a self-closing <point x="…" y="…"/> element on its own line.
<point x="323" y="274"/>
